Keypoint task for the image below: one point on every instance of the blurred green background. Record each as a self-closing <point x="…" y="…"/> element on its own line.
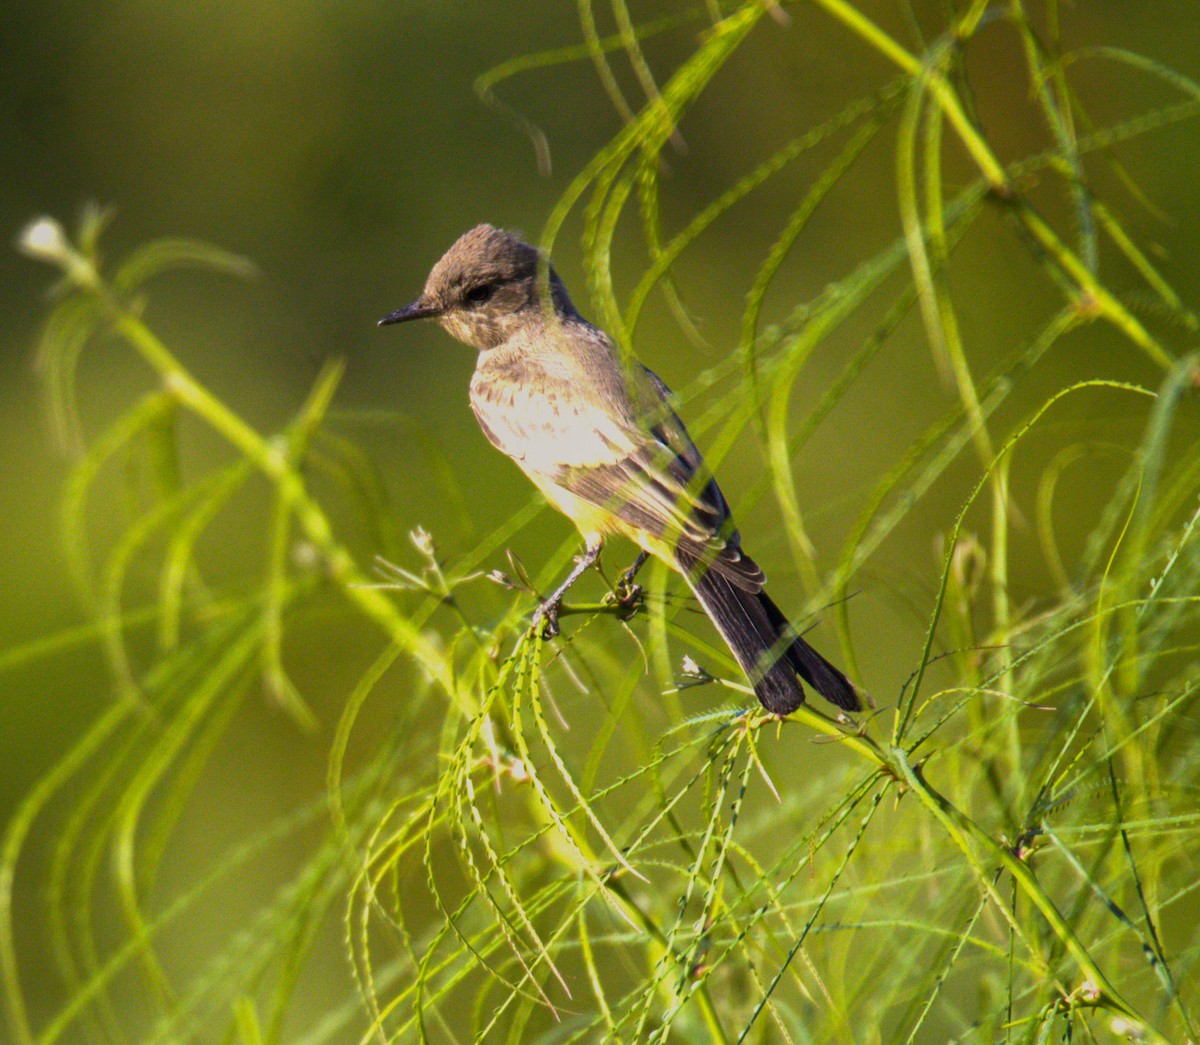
<point x="341" y="147"/>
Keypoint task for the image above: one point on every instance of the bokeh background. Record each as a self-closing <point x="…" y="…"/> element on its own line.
<point x="341" y="147"/>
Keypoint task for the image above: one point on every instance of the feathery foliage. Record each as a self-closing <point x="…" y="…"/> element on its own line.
<point x="1003" y="851"/>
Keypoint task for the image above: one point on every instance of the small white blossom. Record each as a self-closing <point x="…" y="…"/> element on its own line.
<point x="45" y="240"/>
<point x="422" y="541"/>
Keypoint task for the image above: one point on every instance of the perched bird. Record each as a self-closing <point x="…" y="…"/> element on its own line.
<point x="598" y="434"/>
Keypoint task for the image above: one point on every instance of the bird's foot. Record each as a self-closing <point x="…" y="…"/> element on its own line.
<point x="546" y="615"/>
<point x="545" y="618"/>
<point x="626" y="596"/>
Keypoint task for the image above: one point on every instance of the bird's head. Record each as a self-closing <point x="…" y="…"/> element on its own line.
<point x="485" y="288"/>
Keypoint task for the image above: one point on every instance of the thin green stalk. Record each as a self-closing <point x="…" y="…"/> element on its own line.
<point x="939" y="86"/>
<point x="270" y="457"/>
<point x="968" y="835"/>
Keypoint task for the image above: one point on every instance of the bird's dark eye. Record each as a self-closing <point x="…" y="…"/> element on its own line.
<point x="480" y="293"/>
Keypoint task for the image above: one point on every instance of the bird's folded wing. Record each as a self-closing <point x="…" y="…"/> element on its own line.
<point x="642" y="470"/>
<point x="656" y="491"/>
<point x="651" y="490"/>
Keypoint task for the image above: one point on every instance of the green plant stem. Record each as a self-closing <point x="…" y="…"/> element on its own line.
<point x="1093" y="294"/>
<point x="939" y="86"/>
<point x="969" y="835"/>
<point x="271" y="459"/>
<point x="965" y="831"/>
<point x="14" y="842"/>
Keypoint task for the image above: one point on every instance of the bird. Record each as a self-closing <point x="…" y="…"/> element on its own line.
<point x="599" y="435"/>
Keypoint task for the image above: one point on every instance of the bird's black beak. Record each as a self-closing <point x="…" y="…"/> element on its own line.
<point x="419" y="309"/>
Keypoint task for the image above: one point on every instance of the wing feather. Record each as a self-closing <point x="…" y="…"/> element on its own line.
<point x="619" y="448"/>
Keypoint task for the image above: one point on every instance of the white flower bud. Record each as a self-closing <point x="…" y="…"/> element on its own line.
<point x="45" y="240"/>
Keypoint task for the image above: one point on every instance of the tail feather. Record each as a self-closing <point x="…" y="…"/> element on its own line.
<point x="811" y="666"/>
<point x="762" y="641"/>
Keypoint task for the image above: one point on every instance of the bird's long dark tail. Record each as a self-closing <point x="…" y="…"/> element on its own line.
<point x="770" y="653"/>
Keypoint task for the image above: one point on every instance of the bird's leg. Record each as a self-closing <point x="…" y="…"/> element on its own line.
<point x="546" y="614"/>
<point x="625" y="593"/>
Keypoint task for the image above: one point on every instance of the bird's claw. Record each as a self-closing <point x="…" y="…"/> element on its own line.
<point x="626" y="596"/>
<point x="545" y="618"/>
